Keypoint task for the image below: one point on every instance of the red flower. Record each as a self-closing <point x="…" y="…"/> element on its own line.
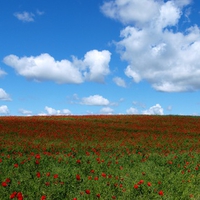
<point x="87" y="191"/>
<point x="78" y="177"/>
<point x="47" y="183"/>
<point x="37" y="162"/>
<point x="136" y="186"/>
<point x="13" y="195"/>
<point x="37" y="156"/>
<point x="19" y="196"/>
<point x="96" y="178"/>
<point x="140" y="182"/>
<point x="113" y="197"/>
<point x="161" y="193"/>
<point x="103" y="175"/>
<point x="149" y="184"/>
<point x="38" y="174"/>
<point x="78" y="161"/>
<point x="98" y="195"/>
<point x="4" y="184"/>
<point x="16" y="165"/>
<point x="55" y="176"/>
<point x="7" y="180"/>
<point x="92" y="171"/>
<point x="43" y="197"/>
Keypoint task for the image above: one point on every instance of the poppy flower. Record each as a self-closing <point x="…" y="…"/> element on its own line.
<point x="87" y="191"/>
<point x="161" y="193"/>
<point x="78" y="177"/>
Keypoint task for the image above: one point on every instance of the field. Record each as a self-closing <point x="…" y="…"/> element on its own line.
<point x="126" y="157"/>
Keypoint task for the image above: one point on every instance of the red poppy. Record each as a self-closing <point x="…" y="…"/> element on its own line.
<point x="4" y="184"/>
<point x="13" y="195"/>
<point x="136" y="186"/>
<point x="98" y="195"/>
<point x="78" y="177"/>
<point x="43" y="197"/>
<point x="161" y="193"/>
<point x="149" y="184"/>
<point x="55" y="176"/>
<point x="38" y="174"/>
<point x="16" y="165"/>
<point x="87" y="191"/>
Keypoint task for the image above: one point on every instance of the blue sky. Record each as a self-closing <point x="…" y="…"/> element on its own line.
<point x="80" y="57"/>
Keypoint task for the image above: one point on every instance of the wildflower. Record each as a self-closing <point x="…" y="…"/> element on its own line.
<point x="37" y="162"/>
<point x="55" y="176"/>
<point x="19" y="196"/>
<point x="7" y="180"/>
<point x="78" y="161"/>
<point x="43" y="197"/>
<point x="113" y="197"/>
<point x="87" y="191"/>
<point x="136" y="186"/>
<point x="47" y="183"/>
<point x="38" y="174"/>
<point x="103" y="175"/>
<point x="140" y="182"/>
<point x="78" y="177"/>
<point x="98" y="195"/>
<point x="161" y="193"/>
<point x="13" y="195"/>
<point x="4" y="184"/>
<point x="16" y="165"/>
<point x="149" y="184"/>
<point x="37" y="156"/>
<point x="96" y="178"/>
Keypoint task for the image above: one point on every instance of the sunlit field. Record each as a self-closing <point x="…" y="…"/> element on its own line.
<point x="126" y="157"/>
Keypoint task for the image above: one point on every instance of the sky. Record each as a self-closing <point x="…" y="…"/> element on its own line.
<point x="88" y="57"/>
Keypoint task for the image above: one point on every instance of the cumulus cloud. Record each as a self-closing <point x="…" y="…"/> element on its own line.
<point x="132" y="110"/>
<point x="4" y="110"/>
<point x="52" y="111"/>
<point x="152" y="45"/>
<point x="25" y="16"/>
<point x="94" y="67"/>
<point x="107" y="110"/>
<point x="95" y="100"/>
<point x="4" y="96"/>
<point x="119" y="81"/>
<point x="154" y="110"/>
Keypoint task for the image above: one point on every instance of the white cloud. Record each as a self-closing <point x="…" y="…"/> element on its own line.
<point x="4" y="96"/>
<point x="131" y="11"/>
<point x="106" y="110"/>
<point x="25" y="16"/>
<point x="132" y="110"/>
<point x="93" y="67"/>
<point x="25" y="112"/>
<point x="97" y="62"/>
<point x="52" y="111"/>
<point x="95" y="100"/>
<point x="154" y="110"/>
<point x="2" y="72"/>
<point x="4" y="110"/>
<point x="119" y="81"/>
<point x="155" y="51"/>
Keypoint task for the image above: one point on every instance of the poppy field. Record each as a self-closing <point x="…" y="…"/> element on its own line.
<point x="126" y="157"/>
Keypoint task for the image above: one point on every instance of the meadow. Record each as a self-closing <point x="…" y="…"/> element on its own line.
<point x="123" y="157"/>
